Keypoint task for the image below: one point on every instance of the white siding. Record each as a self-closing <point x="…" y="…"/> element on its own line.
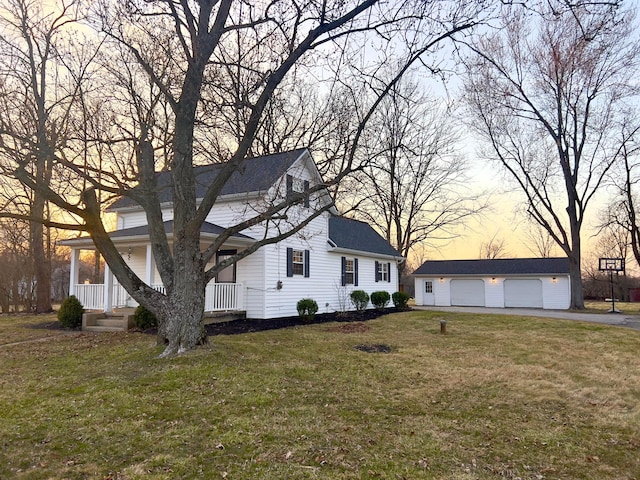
<point x="250" y="272"/>
<point x="324" y="282"/>
<point x="318" y="286"/>
<point x="556" y="294"/>
<point x="131" y="219"/>
<point x="494" y="292"/>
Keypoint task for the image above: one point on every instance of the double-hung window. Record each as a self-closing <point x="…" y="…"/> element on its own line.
<point x="349" y="271"/>
<point x="383" y="271"/>
<point x="297" y="262"/>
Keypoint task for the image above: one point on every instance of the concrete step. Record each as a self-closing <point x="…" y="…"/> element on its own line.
<point x="115" y="322"/>
<point x="99" y="328"/>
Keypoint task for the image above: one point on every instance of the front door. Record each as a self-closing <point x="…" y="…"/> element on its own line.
<point x="228" y="275"/>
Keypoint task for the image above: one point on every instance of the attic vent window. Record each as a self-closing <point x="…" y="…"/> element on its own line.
<point x="298" y="188"/>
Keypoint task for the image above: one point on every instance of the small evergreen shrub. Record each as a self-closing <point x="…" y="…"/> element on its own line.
<point x="360" y="299"/>
<point x="307" y="309"/>
<point x="144" y="319"/>
<point x="400" y="300"/>
<point x="380" y="299"/>
<point x="70" y="313"/>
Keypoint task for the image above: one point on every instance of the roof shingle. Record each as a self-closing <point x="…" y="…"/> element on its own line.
<point x="355" y="235"/>
<point x="257" y="174"/>
<point x="498" y="266"/>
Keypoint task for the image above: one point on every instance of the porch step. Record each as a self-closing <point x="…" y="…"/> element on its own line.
<point x="113" y="322"/>
<point x="102" y="328"/>
<point x="101" y="322"/>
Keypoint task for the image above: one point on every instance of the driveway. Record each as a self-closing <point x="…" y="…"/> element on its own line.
<point x="620" y="319"/>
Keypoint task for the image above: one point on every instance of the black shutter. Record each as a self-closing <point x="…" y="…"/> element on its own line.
<point x="343" y="275"/>
<point x="306" y="193"/>
<point x="289" y="262"/>
<point x="289" y="186"/>
<point x="377" y="276"/>
<point x="389" y="272"/>
<point x="355" y="272"/>
<point x="306" y="263"/>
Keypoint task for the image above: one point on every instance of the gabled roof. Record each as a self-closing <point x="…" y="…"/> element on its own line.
<point x="349" y="234"/>
<point x="498" y="266"/>
<point x="257" y="174"/>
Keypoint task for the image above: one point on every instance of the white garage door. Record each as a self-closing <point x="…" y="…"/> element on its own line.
<point x="523" y="293"/>
<point x="467" y="293"/>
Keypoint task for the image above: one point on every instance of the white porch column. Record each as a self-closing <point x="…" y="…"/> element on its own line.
<point x="108" y="289"/>
<point x="150" y="267"/>
<point x="74" y="270"/>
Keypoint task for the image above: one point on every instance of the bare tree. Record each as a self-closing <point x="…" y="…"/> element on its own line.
<point x="545" y="92"/>
<point x="493" y="248"/>
<point x="192" y="54"/>
<point x="540" y="243"/>
<point x="622" y="211"/>
<point x="38" y="91"/>
<point x="413" y="189"/>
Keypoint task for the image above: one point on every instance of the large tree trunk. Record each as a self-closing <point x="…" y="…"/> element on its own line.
<point x="181" y="324"/>
<point x="41" y="269"/>
<point x="575" y="272"/>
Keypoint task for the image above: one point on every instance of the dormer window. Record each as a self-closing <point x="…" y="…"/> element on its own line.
<point x="298" y="187"/>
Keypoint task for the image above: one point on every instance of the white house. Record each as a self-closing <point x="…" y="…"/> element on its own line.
<point x="324" y="261"/>
<point x="514" y="282"/>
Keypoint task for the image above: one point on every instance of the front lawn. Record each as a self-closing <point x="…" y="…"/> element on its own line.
<point x="496" y="397"/>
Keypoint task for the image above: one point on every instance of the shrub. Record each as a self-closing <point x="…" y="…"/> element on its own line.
<point x="144" y="319"/>
<point x="307" y="309"/>
<point x="70" y="313"/>
<point x="400" y="300"/>
<point x="360" y="299"/>
<point x="380" y="299"/>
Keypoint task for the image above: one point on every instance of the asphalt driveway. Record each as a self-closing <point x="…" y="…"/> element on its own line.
<point x="619" y="319"/>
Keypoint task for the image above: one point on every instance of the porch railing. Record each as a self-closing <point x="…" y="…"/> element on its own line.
<point x="219" y="297"/>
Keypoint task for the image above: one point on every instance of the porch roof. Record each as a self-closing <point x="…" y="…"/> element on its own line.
<point x="141" y="233"/>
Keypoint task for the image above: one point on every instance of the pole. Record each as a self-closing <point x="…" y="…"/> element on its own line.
<point x="613" y="298"/>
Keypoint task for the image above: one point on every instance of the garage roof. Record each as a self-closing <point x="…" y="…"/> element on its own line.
<point x="498" y="266"/>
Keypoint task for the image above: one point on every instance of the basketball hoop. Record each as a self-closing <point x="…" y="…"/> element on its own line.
<point x="611" y="265"/>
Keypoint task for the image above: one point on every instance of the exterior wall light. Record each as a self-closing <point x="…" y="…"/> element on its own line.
<point x="554" y="280"/>
<point x="441" y="279"/>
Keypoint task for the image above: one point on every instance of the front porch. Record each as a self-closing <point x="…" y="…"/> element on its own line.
<point x="219" y="297"/>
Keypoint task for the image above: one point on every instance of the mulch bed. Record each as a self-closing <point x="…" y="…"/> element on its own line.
<point x="351" y="322"/>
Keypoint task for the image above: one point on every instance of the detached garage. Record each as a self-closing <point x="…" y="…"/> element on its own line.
<point x="502" y="282"/>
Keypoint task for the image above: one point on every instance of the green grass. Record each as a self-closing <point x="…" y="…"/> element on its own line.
<point x="497" y="397"/>
<point x="604" y="307"/>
